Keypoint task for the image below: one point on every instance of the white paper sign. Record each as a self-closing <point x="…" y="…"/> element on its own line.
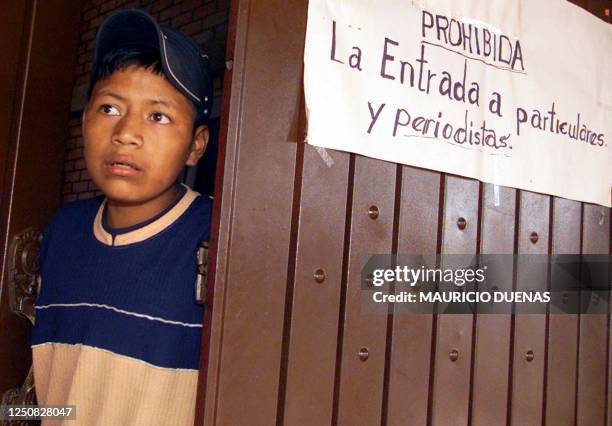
<point x="514" y="93"/>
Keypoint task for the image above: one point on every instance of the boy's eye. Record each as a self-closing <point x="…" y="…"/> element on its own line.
<point x="160" y="118"/>
<point x="109" y="110"/>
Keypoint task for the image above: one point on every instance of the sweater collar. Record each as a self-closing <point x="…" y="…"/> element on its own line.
<point x="145" y="230"/>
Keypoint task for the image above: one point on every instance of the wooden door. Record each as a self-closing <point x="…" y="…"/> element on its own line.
<point x="294" y="225"/>
<point x="39" y="46"/>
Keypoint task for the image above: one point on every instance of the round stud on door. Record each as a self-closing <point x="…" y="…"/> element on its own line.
<point x="453" y="355"/>
<point x="461" y="223"/>
<point x="373" y="212"/>
<point x="364" y="354"/>
<point x="319" y="275"/>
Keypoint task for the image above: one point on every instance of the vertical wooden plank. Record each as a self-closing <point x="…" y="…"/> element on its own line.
<point x="255" y="229"/>
<point x="592" y="355"/>
<point x="609" y="378"/>
<point x="609" y="346"/>
<point x="562" y="327"/>
<point x="14" y="30"/>
<point x="492" y="340"/>
<point x="45" y="104"/>
<point x="529" y="332"/>
<point x="208" y="363"/>
<point x="411" y="342"/>
<point x="14" y="331"/>
<point x="361" y="382"/>
<point x="31" y="152"/>
<point x="313" y="340"/>
<point x="203" y="411"/>
<point x="223" y="206"/>
<point x="454" y="331"/>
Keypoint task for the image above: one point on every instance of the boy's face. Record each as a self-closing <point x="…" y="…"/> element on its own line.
<point x="138" y="135"/>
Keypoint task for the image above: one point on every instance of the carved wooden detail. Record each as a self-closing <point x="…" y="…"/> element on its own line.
<point x="23" y="286"/>
<point x="23" y="265"/>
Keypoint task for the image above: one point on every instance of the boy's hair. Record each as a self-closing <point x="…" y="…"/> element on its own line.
<point x="123" y="57"/>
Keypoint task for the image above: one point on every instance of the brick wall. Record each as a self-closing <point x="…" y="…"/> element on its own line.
<point x="203" y="20"/>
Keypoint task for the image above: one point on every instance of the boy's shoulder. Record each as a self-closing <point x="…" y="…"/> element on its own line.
<point x="201" y="214"/>
<point x="71" y="219"/>
<point x="203" y="204"/>
<point x="77" y="212"/>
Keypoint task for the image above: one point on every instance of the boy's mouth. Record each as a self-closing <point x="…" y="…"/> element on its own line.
<point x="122" y="166"/>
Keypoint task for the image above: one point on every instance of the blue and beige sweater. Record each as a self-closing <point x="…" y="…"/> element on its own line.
<point x="117" y="327"/>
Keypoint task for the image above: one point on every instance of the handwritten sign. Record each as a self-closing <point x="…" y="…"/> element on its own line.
<point x="514" y="93"/>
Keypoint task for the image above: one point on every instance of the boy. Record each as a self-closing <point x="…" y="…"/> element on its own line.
<point x="117" y="327"/>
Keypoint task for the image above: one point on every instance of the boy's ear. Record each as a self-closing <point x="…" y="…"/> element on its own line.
<point x="198" y="146"/>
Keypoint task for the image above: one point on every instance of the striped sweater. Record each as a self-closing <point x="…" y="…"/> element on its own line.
<point x="117" y="329"/>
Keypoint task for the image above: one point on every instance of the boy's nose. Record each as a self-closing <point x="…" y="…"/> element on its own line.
<point x="128" y="131"/>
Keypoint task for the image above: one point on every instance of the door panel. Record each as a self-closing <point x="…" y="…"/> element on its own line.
<point x="37" y="83"/>
<point x="453" y="349"/>
<point x="527" y="388"/>
<point x="492" y="340"/>
<point x="313" y="339"/>
<point x="290" y="343"/>
<point x="409" y="368"/>
<point x="562" y="328"/>
<point x="364" y="336"/>
<point x="592" y="349"/>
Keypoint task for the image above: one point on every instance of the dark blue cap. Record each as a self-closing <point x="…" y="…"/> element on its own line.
<point x="184" y="65"/>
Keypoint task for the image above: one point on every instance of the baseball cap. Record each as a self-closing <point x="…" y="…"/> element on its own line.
<point x="183" y="64"/>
